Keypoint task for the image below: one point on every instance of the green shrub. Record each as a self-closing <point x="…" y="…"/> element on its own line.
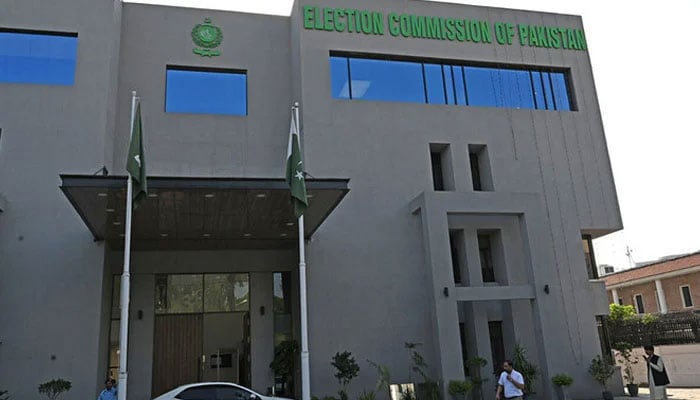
<point x="621" y="312"/>
<point x="529" y="371"/>
<point x="367" y="395"/>
<point x="346" y="369"/>
<point x="54" y="388"/>
<point x="601" y="370"/>
<point x="459" y="388"/>
<point x="562" y="380"/>
<point x="3" y="395"/>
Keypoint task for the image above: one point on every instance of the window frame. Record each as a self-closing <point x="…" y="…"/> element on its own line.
<point x="690" y="295"/>
<point x="636" y="304"/>
<point x="462" y="64"/>
<point x="205" y="69"/>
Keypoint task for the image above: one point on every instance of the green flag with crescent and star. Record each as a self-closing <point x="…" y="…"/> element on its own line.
<point x="136" y="160"/>
<point x="295" y="171"/>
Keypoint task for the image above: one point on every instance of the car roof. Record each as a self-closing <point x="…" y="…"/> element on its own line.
<point x="203" y="384"/>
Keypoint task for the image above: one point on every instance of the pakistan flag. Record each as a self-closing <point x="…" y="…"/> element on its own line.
<point x="295" y="171"/>
<point x="136" y="160"/>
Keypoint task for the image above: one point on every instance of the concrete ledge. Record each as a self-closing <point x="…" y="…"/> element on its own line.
<point x="488" y="293"/>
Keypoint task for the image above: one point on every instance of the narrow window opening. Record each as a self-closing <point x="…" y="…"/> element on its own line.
<point x="498" y="352"/>
<point x="639" y="303"/>
<point x="687" y="297"/>
<point x="486" y="257"/>
<point x="456" y="239"/>
<point x="441" y="165"/>
<point x="480" y="168"/>
<point x="589" y="255"/>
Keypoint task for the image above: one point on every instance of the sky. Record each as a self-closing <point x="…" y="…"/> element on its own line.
<point x="647" y="74"/>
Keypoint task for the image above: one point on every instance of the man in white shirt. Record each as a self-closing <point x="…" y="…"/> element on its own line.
<point x="510" y="383"/>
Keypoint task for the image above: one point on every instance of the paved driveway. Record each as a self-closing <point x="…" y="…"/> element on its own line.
<point x="673" y="394"/>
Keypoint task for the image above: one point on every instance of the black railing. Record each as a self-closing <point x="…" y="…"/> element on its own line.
<point x="664" y="329"/>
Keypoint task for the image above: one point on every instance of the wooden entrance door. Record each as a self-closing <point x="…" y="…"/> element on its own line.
<point x="177" y="351"/>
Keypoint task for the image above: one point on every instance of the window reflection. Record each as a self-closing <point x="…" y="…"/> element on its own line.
<point x="196" y="293"/>
<point x="419" y="82"/>
<point x="205" y="92"/>
<point x="48" y="59"/>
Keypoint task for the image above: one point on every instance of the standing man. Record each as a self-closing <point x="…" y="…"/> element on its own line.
<point x="658" y="378"/>
<point x="109" y="392"/>
<point x="510" y="383"/>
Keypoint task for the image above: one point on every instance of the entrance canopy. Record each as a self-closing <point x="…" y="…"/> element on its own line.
<point x="201" y="213"/>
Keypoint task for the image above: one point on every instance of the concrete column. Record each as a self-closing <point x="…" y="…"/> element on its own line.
<point x="662" y="297"/>
<point x="261" y="330"/>
<point x="616" y="297"/>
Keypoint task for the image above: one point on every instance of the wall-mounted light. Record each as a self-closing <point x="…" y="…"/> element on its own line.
<point x="546" y="289"/>
<point x="139" y="314"/>
<point x="446" y="291"/>
<point x="262" y="310"/>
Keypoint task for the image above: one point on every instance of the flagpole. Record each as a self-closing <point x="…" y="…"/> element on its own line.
<point x="305" y="378"/>
<point x="124" y="325"/>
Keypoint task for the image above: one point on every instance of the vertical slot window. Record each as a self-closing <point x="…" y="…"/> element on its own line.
<point x="687" y="297"/>
<point x="639" y="303"/>
<point x="441" y="165"/>
<point x="498" y="352"/>
<point x="434" y="84"/>
<point x="456" y="240"/>
<point x="589" y="255"/>
<point x="479" y="166"/>
<point x="486" y="257"/>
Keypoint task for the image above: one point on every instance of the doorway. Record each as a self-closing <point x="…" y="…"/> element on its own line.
<point x="201" y="331"/>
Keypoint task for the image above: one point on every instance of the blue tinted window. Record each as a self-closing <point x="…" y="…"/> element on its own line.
<point x="561" y="94"/>
<point x="548" y="96"/>
<point x="538" y="90"/>
<point x="449" y="83"/>
<point x="437" y="83"/>
<point x="206" y="92"/>
<point x="516" y="89"/>
<point x="460" y="89"/>
<point x="387" y="80"/>
<point x="38" y="58"/>
<point x="483" y="86"/>
<point x="435" y="86"/>
<point x="339" y="78"/>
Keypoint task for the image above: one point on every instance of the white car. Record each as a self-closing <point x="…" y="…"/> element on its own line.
<point x="214" y="391"/>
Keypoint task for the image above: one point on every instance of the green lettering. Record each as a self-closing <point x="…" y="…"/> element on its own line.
<point x="534" y="41"/>
<point x="476" y="33"/>
<point x="328" y="19"/>
<point x="581" y="40"/>
<point x="377" y="24"/>
<point x="467" y="33"/>
<point x="337" y="15"/>
<point x="522" y="29"/>
<point x="366" y="20"/>
<point x="451" y="32"/>
<point x="564" y="38"/>
<point x="510" y="29"/>
<point x="309" y="17"/>
<point x="318" y="19"/>
<point x="542" y="37"/>
<point x="500" y="29"/>
<point x="443" y="28"/>
<point x="485" y="32"/>
<point x="572" y="39"/>
<point x="405" y="26"/>
<point x="554" y="39"/>
<point x="418" y="26"/>
<point x="459" y="25"/>
<point x="393" y="24"/>
<point x="433" y="28"/>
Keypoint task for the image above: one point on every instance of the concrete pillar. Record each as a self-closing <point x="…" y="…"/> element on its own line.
<point x="662" y="297"/>
<point x="616" y="297"/>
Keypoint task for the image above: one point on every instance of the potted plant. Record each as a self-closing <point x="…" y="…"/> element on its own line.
<point x="601" y="370"/>
<point x="54" y="388"/>
<point x="528" y="370"/>
<point x="561" y="383"/>
<point x="428" y="389"/>
<point x="282" y="364"/>
<point x="474" y="366"/>
<point x="624" y="349"/>
<point x="459" y="389"/>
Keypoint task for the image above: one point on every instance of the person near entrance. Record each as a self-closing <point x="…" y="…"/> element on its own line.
<point x="110" y="390"/>
<point x="510" y="383"/>
<point x="658" y="378"/>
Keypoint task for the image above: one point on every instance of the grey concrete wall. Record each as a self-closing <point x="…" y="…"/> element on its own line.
<point x="561" y="157"/>
<point x="205" y="145"/>
<point x="48" y="260"/>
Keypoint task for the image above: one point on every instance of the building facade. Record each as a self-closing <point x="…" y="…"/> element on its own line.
<point x="456" y="157"/>
<point x="667" y="286"/>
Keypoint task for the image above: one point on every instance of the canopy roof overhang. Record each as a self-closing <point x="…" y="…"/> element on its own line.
<point x="201" y="213"/>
